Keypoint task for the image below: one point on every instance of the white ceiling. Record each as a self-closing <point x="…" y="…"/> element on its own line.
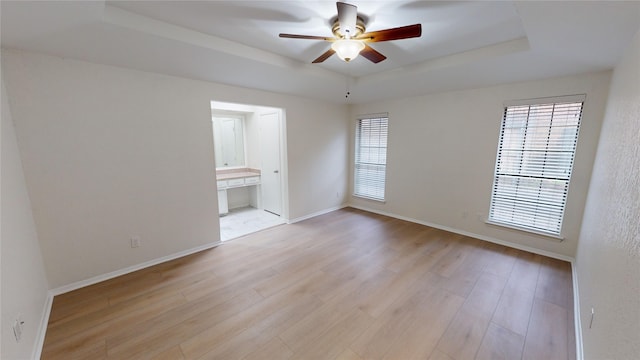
<point x="463" y="44"/>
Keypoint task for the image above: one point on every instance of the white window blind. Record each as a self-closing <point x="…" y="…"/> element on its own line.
<point x="371" y="156"/>
<point x="534" y="162"/>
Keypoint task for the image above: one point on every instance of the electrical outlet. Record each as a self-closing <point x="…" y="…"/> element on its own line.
<point x="135" y="241"/>
<point x="18" y="323"/>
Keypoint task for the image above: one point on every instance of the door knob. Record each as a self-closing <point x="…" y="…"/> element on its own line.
<point x="275" y="171"/>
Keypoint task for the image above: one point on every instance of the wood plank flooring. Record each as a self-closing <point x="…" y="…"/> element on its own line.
<point x="345" y="285"/>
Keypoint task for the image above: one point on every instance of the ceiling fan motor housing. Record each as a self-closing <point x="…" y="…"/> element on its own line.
<point x="360" y="29"/>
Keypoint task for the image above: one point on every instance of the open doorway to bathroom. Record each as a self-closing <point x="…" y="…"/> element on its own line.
<point x="250" y="154"/>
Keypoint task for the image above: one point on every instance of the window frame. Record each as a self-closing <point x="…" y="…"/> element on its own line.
<point x="549" y="231"/>
<point x="358" y="164"/>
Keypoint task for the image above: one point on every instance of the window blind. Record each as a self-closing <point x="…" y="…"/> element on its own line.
<point x="371" y="157"/>
<point x="533" y="167"/>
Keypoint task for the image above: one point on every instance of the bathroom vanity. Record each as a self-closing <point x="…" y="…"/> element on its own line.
<point x="229" y="179"/>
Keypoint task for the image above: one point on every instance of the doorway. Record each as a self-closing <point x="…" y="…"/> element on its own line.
<point x="250" y="161"/>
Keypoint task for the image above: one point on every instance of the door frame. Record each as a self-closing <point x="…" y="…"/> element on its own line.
<point x="231" y="107"/>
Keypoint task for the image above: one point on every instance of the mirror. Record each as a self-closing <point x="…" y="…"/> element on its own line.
<point x="228" y="141"/>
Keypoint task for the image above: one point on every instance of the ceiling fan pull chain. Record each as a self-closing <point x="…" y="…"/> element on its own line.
<point x="347" y="78"/>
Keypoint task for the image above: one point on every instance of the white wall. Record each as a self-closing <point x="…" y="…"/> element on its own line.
<point x="608" y="259"/>
<point x="111" y="152"/>
<point x="442" y="151"/>
<point x="24" y="285"/>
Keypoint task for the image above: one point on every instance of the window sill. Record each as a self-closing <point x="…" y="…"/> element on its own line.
<point x="383" y="201"/>
<point x="515" y="227"/>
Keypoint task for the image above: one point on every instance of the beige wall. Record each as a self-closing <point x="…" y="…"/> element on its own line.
<point x="110" y="152"/>
<point x="608" y="259"/>
<point x="24" y="284"/>
<point x="442" y="152"/>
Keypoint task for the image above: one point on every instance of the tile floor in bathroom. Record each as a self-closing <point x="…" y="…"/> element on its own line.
<point x="242" y="221"/>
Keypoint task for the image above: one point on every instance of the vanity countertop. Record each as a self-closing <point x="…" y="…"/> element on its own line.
<point x="236" y="173"/>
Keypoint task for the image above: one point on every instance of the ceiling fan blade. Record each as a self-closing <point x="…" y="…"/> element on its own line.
<point x="372" y="54"/>
<point x="403" y="32"/>
<point x="308" y="37"/>
<point x="347" y="17"/>
<point x="324" y="56"/>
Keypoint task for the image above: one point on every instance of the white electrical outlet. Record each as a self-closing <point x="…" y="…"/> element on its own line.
<point x="18" y="323"/>
<point x="135" y="241"/>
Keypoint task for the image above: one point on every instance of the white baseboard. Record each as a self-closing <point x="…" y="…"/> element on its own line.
<point x="576" y="312"/>
<point x="470" y="234"/>
<point x="42" y="327"/>
<point x="96" y="279"/>
<point x="317" y="213"/>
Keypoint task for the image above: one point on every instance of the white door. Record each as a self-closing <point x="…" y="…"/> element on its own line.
<point x="270" y="153"/>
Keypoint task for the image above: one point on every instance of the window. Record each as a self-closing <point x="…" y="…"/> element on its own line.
<point x="533" y="167"/>
<point x="371" y="156"/>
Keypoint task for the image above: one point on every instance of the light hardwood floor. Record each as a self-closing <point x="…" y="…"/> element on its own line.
<point x="345" y="285"/>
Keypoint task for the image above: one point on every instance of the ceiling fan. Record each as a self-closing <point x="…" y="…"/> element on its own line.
<point x="350" y="38"/>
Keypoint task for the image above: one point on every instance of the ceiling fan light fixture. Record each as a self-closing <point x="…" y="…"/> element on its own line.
<point x="347" y="49"/>
<point x="350" y="37"/>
